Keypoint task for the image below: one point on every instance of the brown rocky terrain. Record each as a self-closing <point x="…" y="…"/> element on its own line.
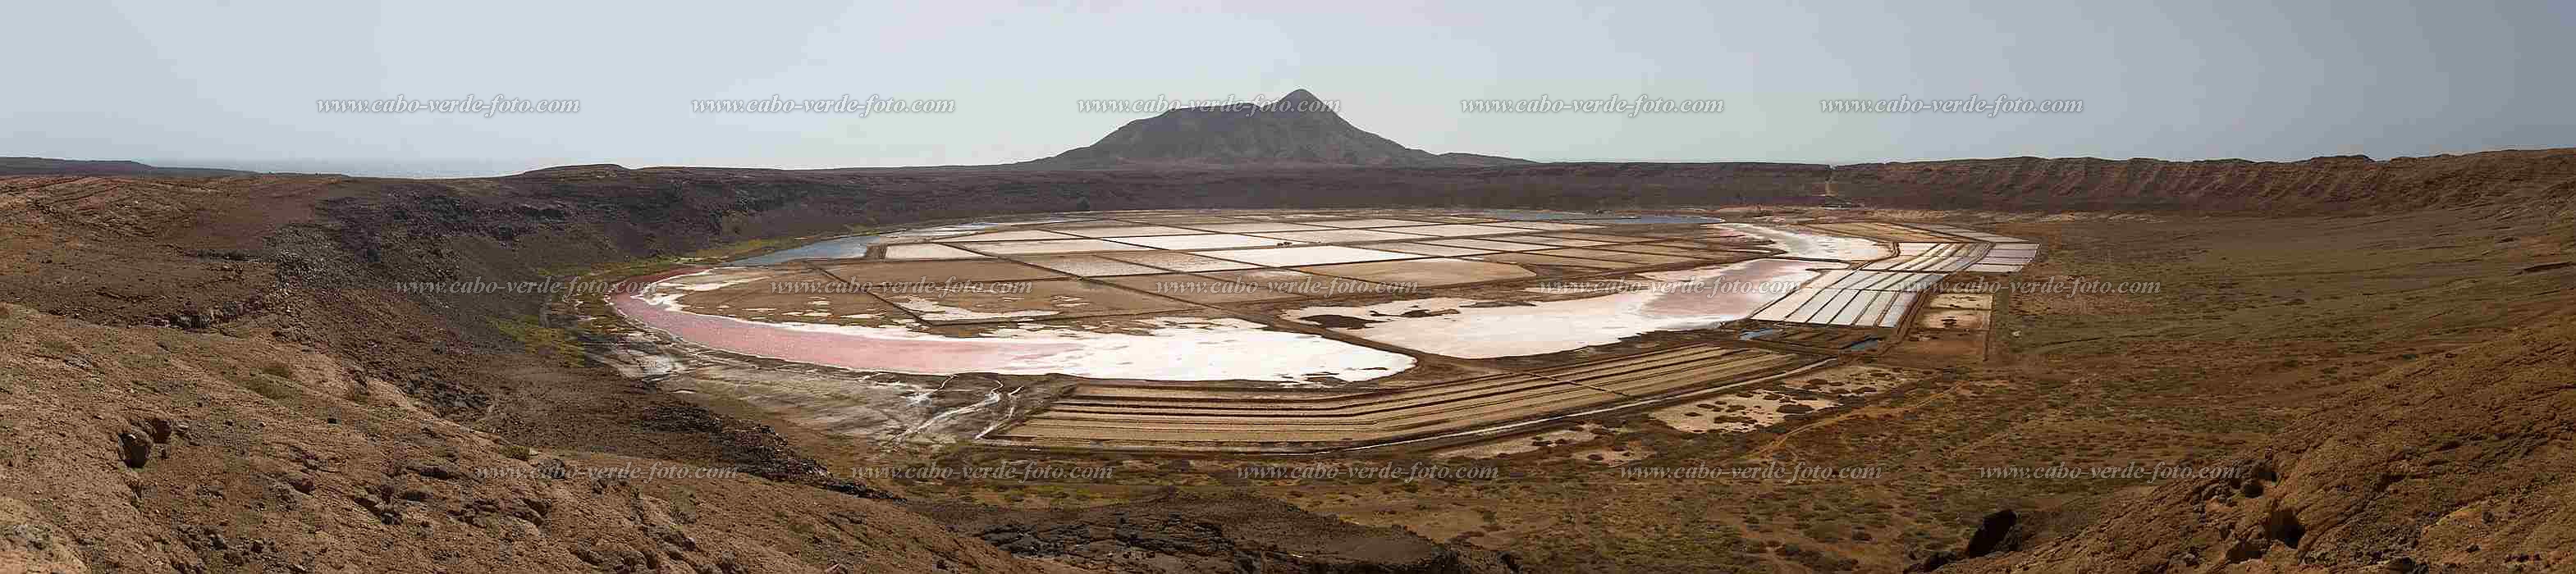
<point x="2455" y="462"/>
<point x="217" y="373"/>
<point x="168" y="450"/>
<point x="2336" y="184"/>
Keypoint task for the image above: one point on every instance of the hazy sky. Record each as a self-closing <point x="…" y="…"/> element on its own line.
<point x="188" y="82"/>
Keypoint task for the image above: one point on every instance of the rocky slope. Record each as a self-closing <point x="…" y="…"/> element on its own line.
<point x="164" y="450"/>
<point x="2460" y="463"/>
<point x="1208" y="533"/>
<point x="2344" y="184"/>
<point x="1299" y="130"/>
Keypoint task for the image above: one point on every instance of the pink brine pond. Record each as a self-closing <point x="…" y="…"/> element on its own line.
<point x="1171" y="348"/>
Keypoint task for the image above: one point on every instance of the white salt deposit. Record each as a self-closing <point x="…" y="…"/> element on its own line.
<point x="1255" y="227"/>
<point x="1217" y="241"/>
<point x="934" y="311"/>
<point x="1177" y="261"/>
<point x="1363" y="223"/>
<point x="1676" y="300"/>
<point x="1461" y="230"/>
<point x="1170" y="349"/>
<point x="928" y="251"/>
<point x="1020" y="235"/>
<point x="1090" y="266"/>
<point x="1341" y="236"/>
<point x="1811" y="245"/>
<point x="1310" y="255"/>
<point x="1130" y="231"/>
<point x="1050" y="246"/>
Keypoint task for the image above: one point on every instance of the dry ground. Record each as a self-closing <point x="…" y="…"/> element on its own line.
<point x="2254" y="325"/>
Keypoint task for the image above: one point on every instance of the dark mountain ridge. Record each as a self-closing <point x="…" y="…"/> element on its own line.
<point x="1299" y="130"/>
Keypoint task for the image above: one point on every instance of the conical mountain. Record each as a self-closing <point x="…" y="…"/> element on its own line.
<point x="1299" y="130"/>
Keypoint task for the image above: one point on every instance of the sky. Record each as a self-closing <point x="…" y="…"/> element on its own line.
<point x="241" y="83"/>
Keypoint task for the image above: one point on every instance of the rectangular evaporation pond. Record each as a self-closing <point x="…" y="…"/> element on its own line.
<point x="1217" y="241"/>
<point x="1340" y="236"/>
<point x="1424" y="272"/>
<point x="1302" y="283"/>
<point x="1428" y="249"/>
<point x="1860" y="305"/>
<point x="1984" y="268"/>
<point x="1856" y="312"/>
<point x="928" y="251"/>
<point x="881" y="273"/>
<point x="1779" y="310"/>
<point x="1178" y="261"/>
<point x="1831" y="278"/>
<point x="1938" y="257"/>
<point x="1542" y="225"/>
<point x="1363" y="223"/>
<point x="1310" y="255"/>
<point x="1086" y="223"/>
<point x="1487" y="244"/>
<point x="1047" y="246"/>
<point x="1456" y="230"/>
<point x="1130" y="231"/>
<point x="1089" y="265"/>
<point x="1637" y="258"/>
<point x="1255" y="227"/>
<point x="1537" y="259"/>
<point x="1196" y="289"/>
<point x="1526" y="214"/>
<point x="1692" y="244"/>
<point x="1288" y="216"/>
<point x="1663" y="250"/>
<point x="1878" y="308"/>
<point x="1824" y="307"/>
<point x="1896" y="312"/>
<point x="1601" y="237"/>
<point x="1020" y="235"/>
<point x="1559" y="241"/>
<point x="1876" y="280"/>
<point x="1650" y="220"/>
<point x="1184" y="220"/>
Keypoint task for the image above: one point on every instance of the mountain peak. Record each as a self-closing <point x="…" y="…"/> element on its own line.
<point x="1299" y="130"/>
